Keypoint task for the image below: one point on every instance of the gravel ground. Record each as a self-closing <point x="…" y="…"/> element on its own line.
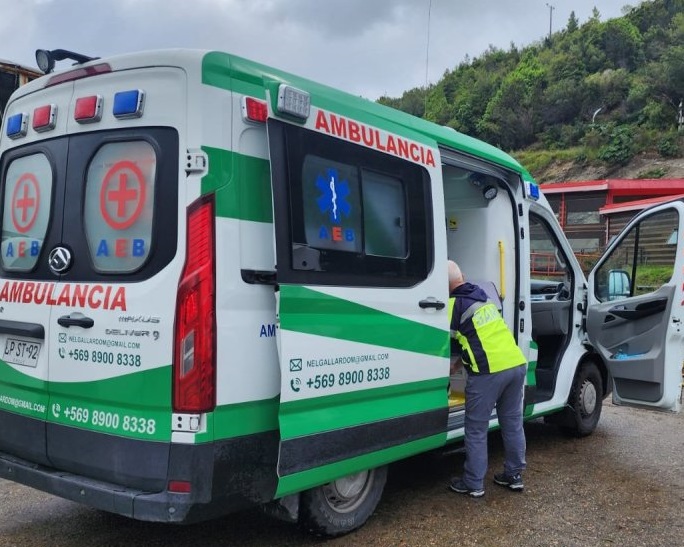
<point x="622" y="486"/>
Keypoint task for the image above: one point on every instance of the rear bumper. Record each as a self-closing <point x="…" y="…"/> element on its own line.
<point x="129" y="477"/>
<point x="137" y="504"/>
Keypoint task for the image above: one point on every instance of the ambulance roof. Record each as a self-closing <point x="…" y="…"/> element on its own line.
<point x="248" y="77"/>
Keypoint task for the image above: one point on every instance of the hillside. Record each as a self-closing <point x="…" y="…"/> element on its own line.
<point x="644" y="166"/>
<point x="597" y="99"/>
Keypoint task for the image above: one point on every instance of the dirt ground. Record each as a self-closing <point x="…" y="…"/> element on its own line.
<point x="622" y="486"/>
<point x="638" y="168"/>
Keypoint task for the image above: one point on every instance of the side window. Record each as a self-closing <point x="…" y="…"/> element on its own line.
<point x="547" y="259"/>
<point x="353" y="216"/>
<point x="550" y="273"/>
<point x="119" y="206"/>
<point x="26" y="211"/>
<point x="642" y="261"/>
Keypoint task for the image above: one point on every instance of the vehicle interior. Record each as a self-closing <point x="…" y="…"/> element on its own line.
<point x="480" y="231"/>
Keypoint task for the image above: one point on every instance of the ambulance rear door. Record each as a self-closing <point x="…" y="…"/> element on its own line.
<point x="114" y="306"/>
<point x="31" y="180"/>
<point x="636" y="309"/>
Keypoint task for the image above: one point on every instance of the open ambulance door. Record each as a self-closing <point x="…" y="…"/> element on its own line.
<point x="636" y="308"/>
<point x="362" y="315"/>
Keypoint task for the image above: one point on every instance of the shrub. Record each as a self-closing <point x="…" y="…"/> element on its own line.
<point x="669" y="145"/>
<point x="620" y="147"/>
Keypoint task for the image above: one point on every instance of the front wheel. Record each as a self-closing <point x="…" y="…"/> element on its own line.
<point x="585" y="402"/>
<point x="343" y="505"/>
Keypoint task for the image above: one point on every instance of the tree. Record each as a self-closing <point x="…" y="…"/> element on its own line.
<point x="573" y="23"/>
<point x="622" y="43"/>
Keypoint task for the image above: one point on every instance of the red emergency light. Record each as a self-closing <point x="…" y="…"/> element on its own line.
<point x="88" y="109"/>
<point x="254" y="110"/>
<point x="44" y="118"/>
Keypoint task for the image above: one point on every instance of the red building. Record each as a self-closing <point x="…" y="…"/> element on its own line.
<point x="592" y="212"/>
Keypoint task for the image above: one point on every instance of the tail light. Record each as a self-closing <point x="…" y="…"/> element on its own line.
<point x="194" y="363"/>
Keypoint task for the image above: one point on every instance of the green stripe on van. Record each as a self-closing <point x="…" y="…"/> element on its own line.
<point x="312" y="312"/>
<point x="316" y="414"/>
<point x="320" y="475"/>
<point x="144" y="389"/>
<point x="242" y="185"/>
<point x="246" y="77"/>
<point x="10" y="376"/>
<point x="237" y="420"/>
<point x="532" y="366"/>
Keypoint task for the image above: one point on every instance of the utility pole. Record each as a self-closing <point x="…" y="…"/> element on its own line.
<point x="427" y="57"/>
<point x="551" y="8"/>
<point x="680" y="118"/>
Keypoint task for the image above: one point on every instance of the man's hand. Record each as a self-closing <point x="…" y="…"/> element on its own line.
<point x="456" y="363"/>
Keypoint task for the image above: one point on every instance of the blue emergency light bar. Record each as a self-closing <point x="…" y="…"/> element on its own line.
<point x="128" y="104"/>
<point x="17" y="125"/>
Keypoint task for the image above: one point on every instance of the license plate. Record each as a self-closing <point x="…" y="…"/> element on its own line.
<point x="21" y="352"/>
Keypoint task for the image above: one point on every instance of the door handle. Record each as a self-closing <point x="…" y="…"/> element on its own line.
<point x="431" y="303"/>
<point x="641" y="310"/>
<point x="76" y="319"/>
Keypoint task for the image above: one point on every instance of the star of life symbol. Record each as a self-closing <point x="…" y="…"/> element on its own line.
<point x="333" y="198"/>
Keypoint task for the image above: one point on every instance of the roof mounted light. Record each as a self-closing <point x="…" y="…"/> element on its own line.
<point x="293" y="101"/>
<point x="128" y="104"/>
<point x="254" y="110"/>
<point x="17" y="125"/>
<point x="46" y="58"/>
<point x="88" y="109"/>
<point x="532" y="190"/>
<point x="44" y="118"/>
<point x="77" y="74"/>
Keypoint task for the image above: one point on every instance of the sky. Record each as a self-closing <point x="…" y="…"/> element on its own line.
<point x="366" y="47"/>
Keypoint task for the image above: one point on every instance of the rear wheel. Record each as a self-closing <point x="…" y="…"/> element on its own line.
<point x="343" y="505"/>
<point x="585" y="402"/>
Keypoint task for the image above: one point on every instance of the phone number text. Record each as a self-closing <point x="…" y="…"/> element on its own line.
<point x="111" y="420"/>
<point x="348" y="377"/>
<point x="105" y="357"/>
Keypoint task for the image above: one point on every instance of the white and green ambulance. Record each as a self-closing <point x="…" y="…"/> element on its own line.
<point x="222" y="286"/>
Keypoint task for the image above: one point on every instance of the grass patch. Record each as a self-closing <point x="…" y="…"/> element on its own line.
<point x="652" y="276"/>
<point x="538" y="160"/>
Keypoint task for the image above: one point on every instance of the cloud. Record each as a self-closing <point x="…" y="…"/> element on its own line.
<point x="366" y="47"/>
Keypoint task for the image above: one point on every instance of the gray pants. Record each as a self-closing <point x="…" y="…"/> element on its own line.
<point x="503" y="391"/>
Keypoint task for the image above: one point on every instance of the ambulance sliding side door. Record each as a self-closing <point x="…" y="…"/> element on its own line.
<point x="362" y="292"/>
<point x="636" y="308"/>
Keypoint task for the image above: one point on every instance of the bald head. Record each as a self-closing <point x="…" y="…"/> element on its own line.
<point x="455" y="275"/>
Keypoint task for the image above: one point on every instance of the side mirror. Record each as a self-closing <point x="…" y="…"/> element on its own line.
<point x="618" y="284"/>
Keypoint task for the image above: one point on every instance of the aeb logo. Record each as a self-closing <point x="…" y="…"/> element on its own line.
<point x="333" y="202"/>
<point x="22" y="248"/>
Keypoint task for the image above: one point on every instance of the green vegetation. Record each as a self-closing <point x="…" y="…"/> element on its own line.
<point x="655" y="173"/>
<point x="593" y="92"/>
<point x="649" y="278"/>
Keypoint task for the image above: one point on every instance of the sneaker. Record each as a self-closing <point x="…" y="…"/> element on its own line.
<point x="514" y="482"/>
<point x="457" y="485"/>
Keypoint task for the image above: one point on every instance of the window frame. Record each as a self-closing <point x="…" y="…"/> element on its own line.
<point x="289" y="146"/>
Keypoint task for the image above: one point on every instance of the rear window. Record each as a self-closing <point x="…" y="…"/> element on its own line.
<point x="119" y="206"/>
<point x="26" y="211"/>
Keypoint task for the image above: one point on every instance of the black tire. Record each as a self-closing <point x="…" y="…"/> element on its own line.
<point x="585" y="402"/>
<point x="344" y="505"/>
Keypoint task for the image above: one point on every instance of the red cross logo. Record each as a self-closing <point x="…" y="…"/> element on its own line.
<point x="25" y="202"/>
<point x="122" y="196"/>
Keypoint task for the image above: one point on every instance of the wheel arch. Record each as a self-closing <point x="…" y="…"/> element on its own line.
<point x="593" y="357"/>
